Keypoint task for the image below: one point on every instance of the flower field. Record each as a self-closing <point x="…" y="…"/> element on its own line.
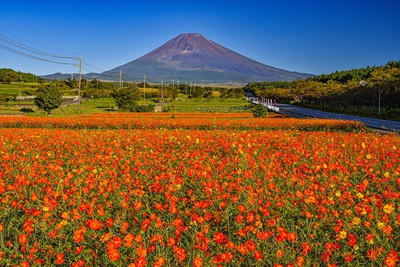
<point x="205" y="191"/>
<point x="199" y="121"/>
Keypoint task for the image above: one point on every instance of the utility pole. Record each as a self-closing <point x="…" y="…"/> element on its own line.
<point x="120" y="79"/>
<point x="162" y="90"/>
<point x="79" y="84"/>
<point x="144" y="88"/>
<point x="379" y="102"/>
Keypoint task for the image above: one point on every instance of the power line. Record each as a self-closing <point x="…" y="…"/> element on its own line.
<point x="30" y="49"/>
<point x="27" y="41"/>
<point x="102" y="67"/>
<point x="32" y="56"/>
<point x="93" y="67"/>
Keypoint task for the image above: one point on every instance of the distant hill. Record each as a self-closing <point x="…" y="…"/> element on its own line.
<point x="193" y="58"/>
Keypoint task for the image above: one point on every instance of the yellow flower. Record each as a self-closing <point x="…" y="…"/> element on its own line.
<point x="359" y="195"/>
<point x="368" y="156"/>
<point x="381" y="225"/>
<point x="343" y="234"/>
<point x="388" y="208"/>
<point x="356" y="221"/>
<point x="338" y="193"/>
<point x="386" y="174"/>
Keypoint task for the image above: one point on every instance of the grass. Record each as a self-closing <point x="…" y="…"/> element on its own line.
<point x="14" y="89"/>
<point x="104" y="105"/>
<point x="209" y="105"/>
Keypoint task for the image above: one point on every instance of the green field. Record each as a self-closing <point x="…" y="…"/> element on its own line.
<point x="209" y="105"/>
<point x="17" y="89"/>
<point x="103" y="105"/>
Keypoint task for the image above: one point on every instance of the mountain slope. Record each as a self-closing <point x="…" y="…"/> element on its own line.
<point x="194" y="58"/>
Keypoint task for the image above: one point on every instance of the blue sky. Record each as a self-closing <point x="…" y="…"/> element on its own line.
<point x="306" y="36"/>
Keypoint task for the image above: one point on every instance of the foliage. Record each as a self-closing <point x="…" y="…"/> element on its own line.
<point x="12" y="76"/>
<point x="232" y="93"/>
<point x="48" y="98"/>
<point x="356" y="89"/>
<point x="259" y="111"/>
<point x="126" y="98"/>
<point x="145" y="108"/>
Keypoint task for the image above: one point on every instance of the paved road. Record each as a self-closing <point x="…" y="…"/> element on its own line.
<point x="306" y="112"/>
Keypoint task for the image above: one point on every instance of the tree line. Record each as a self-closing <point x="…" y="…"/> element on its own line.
<point x="8" y="76"/>
<point x="357" y="91"/>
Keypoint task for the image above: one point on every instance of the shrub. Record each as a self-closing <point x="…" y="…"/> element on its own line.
<point x="259" y="111"/>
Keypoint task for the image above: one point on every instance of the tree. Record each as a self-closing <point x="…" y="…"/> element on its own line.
<point x="48" y="98"/>
<point x="10" y="77"/>
<point x="126" y="98"/>
<point x="259" y="111"/>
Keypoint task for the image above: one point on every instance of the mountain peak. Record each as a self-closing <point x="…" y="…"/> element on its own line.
<point x="191" y="57"/>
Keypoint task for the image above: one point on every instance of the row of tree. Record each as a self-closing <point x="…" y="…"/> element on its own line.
<point x="360" y="91"/>
<point x="104" y="89"/>
<point x="11" y="76"/>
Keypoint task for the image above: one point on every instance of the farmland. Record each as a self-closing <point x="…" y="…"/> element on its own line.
<point x="190" y="189"/>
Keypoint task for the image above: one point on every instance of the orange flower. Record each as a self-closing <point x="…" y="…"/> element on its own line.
<point x="113" y="254"/>
<point x="180" y="253"/>
<point x="60" y="258"/>
<point x="279" y="253"/>
<point x="94" y="224"/>
<point x="141" y="251"/>
<point x="79" y="235"/>
<point x="159" y="262"/>
<point x="23" y="239"/>
<point x="198" y="262"/>
<point x="128" y="240"/>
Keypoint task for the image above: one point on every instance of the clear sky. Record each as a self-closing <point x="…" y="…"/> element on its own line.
<point x="313" y="36"/>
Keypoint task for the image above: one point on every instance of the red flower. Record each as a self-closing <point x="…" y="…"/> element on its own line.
<point x="180" y="253"/>
<point x="94" y="224"/>
<point x="220" y="238"/>
<point x="258" y="255"/>
<point x="60" y="258"/>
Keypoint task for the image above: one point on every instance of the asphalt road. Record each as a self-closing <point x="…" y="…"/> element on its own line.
<point x="306" y="112"/>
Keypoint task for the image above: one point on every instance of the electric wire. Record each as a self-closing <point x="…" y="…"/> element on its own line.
<point x="30" y="49"/>
<point x="35" y="44"/>
<point x="34" y="57"/>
